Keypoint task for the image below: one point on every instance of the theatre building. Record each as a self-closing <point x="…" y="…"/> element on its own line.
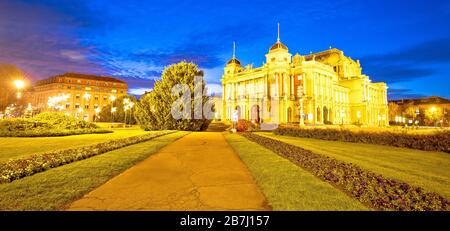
<point x="320" y="88"/>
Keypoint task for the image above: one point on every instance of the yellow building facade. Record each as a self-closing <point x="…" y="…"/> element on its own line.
<point x="78" y="95"/>
<point x="321" y="88"/>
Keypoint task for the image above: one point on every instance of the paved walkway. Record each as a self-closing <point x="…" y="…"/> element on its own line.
<point x="197" y="172"/>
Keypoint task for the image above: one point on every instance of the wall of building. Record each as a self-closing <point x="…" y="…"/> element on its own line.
<point x="78" y="97"/>
<point x="323" y="89"/>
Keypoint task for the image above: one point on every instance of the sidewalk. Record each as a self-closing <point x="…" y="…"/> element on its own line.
<point x="197" y="172"/>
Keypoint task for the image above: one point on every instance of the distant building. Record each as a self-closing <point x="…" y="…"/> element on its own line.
<point x="321" y="88"/>
<point x="78" y="95"/>
<point x="432" y="111"/>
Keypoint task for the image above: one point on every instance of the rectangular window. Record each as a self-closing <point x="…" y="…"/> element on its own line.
<point x="78" y="96"/>
<point x="86" y="106"/>
<point x="67" y="105"/>
<point x="77" y="105"/>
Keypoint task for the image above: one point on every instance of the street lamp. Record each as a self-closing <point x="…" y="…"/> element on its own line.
<point x="19" y="85"/>
<point x="97" y="111"/>
<point x="358" y="115"/>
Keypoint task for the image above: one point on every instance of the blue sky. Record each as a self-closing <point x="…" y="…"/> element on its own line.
<point x="404" y="43"/>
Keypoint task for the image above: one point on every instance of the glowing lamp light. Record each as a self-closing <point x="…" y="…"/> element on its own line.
<point x="310" y="116"/>
<point x="86" y="96"/>
<point x="112" y="98"/>
<point x="80" y="110"/>
<point x="97" y="110"/>
<point x="113" y="109"/>
<point x="433" y="109"/>
<point x="19" y="84"/>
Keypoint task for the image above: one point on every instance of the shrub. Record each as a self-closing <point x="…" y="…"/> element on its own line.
<point x="153" y="112"/>
<point x="62" y="121"/>
<point x="439" y="141"/>
<point x="18" y="168"/>
<point x="47" y="124"/>
<point x="243" y="125"/>
<point x="50" y="133"/>
<point x="369" y="188"/>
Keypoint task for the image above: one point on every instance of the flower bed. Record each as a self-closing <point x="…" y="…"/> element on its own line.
<point x="439" y="141"/>
<point x="18" y="168"/>
<point x="371" y="189"/>
<point x="50" y="133"/>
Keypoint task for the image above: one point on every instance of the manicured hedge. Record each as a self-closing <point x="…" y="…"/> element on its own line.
<point x="18" y="168"/>
<point x="371" y="189"/>
<point x="49" y="133"/>
<point x="47" y="124"/>
<point x="439" y="141"/>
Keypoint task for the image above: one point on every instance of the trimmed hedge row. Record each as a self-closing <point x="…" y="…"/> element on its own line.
<point x="19" y="168"/>
<point x="439" y="141"/>
<point x="50" y="133"/>
<point x="369" y="188"/>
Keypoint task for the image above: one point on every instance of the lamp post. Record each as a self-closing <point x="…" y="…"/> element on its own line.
<point x="112" y="98"/>
<point x="131" y="105"/>
<point x="358" y="115"/>
<point x="19" y="85"/>
<point x="302" y="119"/>
<point x="433" y="111"/>
<point x="97" y="111"/>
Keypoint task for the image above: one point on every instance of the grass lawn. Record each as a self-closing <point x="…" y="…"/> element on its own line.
<point x="287" y="186"/>
<point x="12" y="147"/>
<point x="58" y="187"/>
<point x="430" y="170"/>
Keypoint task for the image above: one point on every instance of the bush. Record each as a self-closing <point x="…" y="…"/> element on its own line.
<point x="243" y="125"/>
<point x="62" y="121"/>
<point x="369" y="188"/>
<point x="50" y="133"/>
<point x="47" y="124"/>
<point x="153" y="112"/>
<point x="439" y="141"/>
<point x="18" y="168"/>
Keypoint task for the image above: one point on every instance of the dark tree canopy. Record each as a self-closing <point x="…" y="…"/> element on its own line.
<point x="153" y="112"/>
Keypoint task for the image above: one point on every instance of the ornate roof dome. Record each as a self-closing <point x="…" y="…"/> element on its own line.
<point x="278" y="45"/>
<point x="234" y="60"/>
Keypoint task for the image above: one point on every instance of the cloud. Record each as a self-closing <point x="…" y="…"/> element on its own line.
<point x="139" y="91"/>
<point x="73" y="55"/>
<point x="408" y="64"/>
<point x="204" y="48"/>
<point x="402" y="93"/>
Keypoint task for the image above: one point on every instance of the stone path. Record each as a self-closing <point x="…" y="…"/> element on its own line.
<point x="197" y="172"/>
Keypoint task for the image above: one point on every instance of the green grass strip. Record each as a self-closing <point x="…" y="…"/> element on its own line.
<point x="56" y="188"/>
<point x="27" y="166"/>
<point x="287" y="186"/>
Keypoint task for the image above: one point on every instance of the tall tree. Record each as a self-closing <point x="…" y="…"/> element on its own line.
<point x="154" y="110"/>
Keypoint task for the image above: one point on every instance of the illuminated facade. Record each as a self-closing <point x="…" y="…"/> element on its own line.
<point x="322" y="88"/>
<point x="81" y="96"/>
